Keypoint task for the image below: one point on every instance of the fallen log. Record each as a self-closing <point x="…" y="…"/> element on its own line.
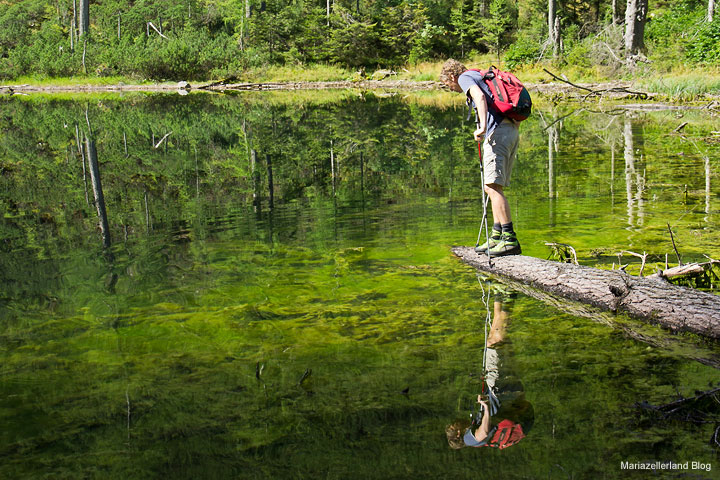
<point x="693" y="347"/>
<point x="649" y="299"/>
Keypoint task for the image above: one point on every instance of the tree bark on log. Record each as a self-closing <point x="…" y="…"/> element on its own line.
<point x="694" y="348"/>
<point x="652" y="300"/>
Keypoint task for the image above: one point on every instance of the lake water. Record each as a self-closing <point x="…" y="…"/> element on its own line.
<point x="274" y="294"/>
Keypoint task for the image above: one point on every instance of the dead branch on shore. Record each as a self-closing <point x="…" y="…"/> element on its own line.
<point x="680" y="127"/>
<point x="150" y="24"/>
<point x="162" y="140"/>
<point x="562" y="251"/>
<point x="599" y="93"/>
<point x="674" y="246"/>
<point x="565" y="253"/>
<point x="642" y="256"/>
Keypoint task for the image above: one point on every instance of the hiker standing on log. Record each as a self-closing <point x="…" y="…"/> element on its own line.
<point x="499" y="149"/>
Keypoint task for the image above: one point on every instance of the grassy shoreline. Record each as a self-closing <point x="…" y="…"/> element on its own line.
<point x="680" y="84"/>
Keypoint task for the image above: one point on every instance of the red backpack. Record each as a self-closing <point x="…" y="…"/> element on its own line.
<point x="509" y="96"/>
<point x="508" y="433"/>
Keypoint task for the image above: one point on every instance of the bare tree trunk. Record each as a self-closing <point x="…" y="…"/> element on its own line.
<point x="256" y="180"/>
<point x="97" y="186"/>
<point x="74" y="22"/>
<point x="197" y="175"/>
<point x="271" y="186"/>
<point x="634" y="178"/>
<point x="711" y="10"/>
<point x="147" y="211"/>
<point x="629" y="170"/>
<point x="612" y="174"/>
<point x="708" y="173"/>
<point x="83" y="56"/>
<point x="553" y="135"/>
<point x="82" y="159"/>
<point x="635" y="16"/>
<point x="332" y="166"/>
<point x="84" y="24"/>
<point x="553" y="27"/>
<point x="616" y="17"/>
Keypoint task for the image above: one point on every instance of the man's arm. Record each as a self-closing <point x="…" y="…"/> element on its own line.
<point x="481" y="105"/>
<point x="484" y="429"/>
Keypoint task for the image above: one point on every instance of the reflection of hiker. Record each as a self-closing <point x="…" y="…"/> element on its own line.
<point x="505" y="416"/>
<point x="499" y="151"/>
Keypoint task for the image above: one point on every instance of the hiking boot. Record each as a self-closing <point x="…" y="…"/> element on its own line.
<point x="495" y="237"/>
<point x="508" y="245"/>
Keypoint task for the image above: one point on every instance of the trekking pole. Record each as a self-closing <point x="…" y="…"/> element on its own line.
<point x="486" y="392"/>
<point x="483" y="223"/>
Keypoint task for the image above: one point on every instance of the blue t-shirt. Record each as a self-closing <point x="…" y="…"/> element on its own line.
<point x="470" y="78"/>
<point x="471" y="441"/>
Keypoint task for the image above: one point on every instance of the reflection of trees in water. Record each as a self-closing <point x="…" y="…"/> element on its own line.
<point x="90" y="151"/>
<point x="552" y="126"/>
<point x="634" y="175"/>
<point x="707" y="187"/>
<point x="226" y="154"/>
<point x="553" y="148"/>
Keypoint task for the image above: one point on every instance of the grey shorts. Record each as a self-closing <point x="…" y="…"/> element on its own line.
<point x="492" y="367"/>
<point x="499" y="152"/>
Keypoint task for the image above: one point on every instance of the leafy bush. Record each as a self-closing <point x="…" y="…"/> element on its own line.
<point x="192" y="54"/>
<point x="47" y="52"/>
<point x="354" y="43"/>
<point x="706" y="45"/>
<point x="577" y="49"/>
<point x="523" y="52"/>
<point x="400" y="27"/>
<point x="679" y="23"/>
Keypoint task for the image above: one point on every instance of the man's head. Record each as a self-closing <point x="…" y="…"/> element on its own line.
<point x="450" y="72"/>
<point x="455" y="433"/>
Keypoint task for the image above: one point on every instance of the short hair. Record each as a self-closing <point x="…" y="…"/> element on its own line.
<point x="455" y="433"/>
<point x="451" y="67"/>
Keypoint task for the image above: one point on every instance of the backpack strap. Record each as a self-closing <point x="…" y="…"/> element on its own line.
<point x="470" y="109"/>
<point x="469" y="100"/>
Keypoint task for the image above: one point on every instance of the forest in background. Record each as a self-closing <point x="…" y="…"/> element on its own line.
<point x="211" y="39"/>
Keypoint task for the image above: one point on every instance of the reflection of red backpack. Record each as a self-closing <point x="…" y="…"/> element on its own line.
<point x="508" y="433"/>
<point x="510" y="97"/>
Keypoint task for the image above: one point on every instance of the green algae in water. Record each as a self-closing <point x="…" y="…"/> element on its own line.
<point x="143" y="361"/>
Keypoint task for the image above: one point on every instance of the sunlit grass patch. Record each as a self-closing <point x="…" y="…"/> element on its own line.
<point x="44" y="81"/>
<point x="686" y="86"/>
<point x="299" y="73"/>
